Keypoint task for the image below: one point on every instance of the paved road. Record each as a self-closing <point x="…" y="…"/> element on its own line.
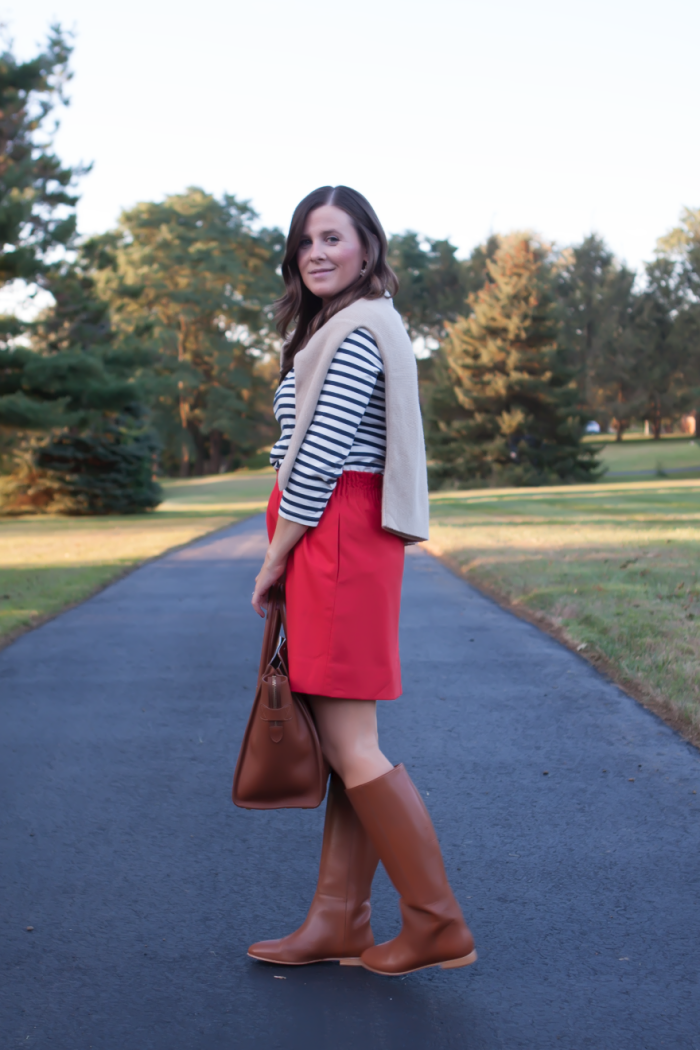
<point x="144" y="884"/>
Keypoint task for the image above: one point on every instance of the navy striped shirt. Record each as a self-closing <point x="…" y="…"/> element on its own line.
<point x="348" y="431"/>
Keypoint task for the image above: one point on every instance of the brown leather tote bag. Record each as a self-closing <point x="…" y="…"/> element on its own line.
<point x="280" y="765"/>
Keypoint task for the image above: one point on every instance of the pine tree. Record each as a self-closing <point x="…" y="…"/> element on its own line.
<point x="72" y="405"/>
<point x="36" y="203"/>
<point x="432" y="284"/>
<point x="433" y="290"/>
<point x="106" y="470"/>
<point x="505" y="409"/>
<point x="670" y="318"/>
<point x="598" y="305"/>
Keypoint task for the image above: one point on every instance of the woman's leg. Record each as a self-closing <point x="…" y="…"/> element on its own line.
<point x="393" y="815"/>
<point x="349" y="738"/>
<point x="338" y="923"/>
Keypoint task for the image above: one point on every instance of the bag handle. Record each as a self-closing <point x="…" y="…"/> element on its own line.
<point x="273" y="623"/>
<point x="282" y="602"/>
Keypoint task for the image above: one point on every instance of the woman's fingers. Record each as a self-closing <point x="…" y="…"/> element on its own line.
<point x="259" y="599"/>
<point x="272" y="570"/>
<point x="263" y="581"/>
<point x="259" y="602"/>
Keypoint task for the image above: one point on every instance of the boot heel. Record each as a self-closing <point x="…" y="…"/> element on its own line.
<point x="350" y="962"/>
<point x="454" y="964"/>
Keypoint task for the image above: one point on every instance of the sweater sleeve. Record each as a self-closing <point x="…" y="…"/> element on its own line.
<point x="341" y="406"/>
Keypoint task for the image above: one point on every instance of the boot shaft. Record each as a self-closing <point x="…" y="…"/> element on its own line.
<point x="348" y="857"/>
<point x="396" y="820"/>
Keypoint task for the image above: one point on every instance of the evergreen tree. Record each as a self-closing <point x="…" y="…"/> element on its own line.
<point x="434" y="287"/>
<point x="664" y="365"/>
<point x="69" y="414"/>
<point x="36" y="203"/>
<point x="678" y="346"/>
<point x="433" y="284"/>
<point x="505" y="409"/>
<point x="597" y="304"/>
<point x="69" y="373"/>
<point x="106" y="470"/>
<point x="71" y="402"/>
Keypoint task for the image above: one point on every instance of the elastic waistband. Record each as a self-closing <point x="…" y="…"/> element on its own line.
<point x="360" y="479"/>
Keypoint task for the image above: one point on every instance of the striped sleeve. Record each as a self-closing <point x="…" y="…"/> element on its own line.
<point x="345" y="396"/>
<point x="284" y="406"/>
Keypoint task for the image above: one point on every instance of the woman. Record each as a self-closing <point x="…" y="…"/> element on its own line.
<point x="351" y="491"/>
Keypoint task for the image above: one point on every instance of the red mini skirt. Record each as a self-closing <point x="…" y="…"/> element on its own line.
<point x="343" y="589"/>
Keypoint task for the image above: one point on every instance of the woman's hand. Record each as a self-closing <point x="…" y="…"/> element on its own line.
<point x="287" y="535"/>
<point x="270" y="573"/>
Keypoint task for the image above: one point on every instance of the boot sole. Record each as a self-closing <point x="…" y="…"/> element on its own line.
<point x="449" y="964"/>
<point x="306" y="962"/>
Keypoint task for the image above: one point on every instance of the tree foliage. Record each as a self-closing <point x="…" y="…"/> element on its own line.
<point x="36" y="198"/>
<point x="160" y="343"/>
<point x="70" y="373"/>
<point x="678" y="267"/>
<point x="505" y="408"/>
<point x="634" y="349"/>
<point x="190" y="279"/>
<point x="662" y="361"/>
<point x="106" y="470"/>
<point x="434" y="285"/>
<point x="72" y="402"/>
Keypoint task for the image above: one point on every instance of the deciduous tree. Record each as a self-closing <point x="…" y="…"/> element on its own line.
<point x="192" y="280"/>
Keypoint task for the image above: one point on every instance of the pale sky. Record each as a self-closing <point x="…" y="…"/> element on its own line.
<point x="454" y="117"/>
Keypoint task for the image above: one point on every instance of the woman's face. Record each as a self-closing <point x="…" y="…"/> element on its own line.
<point x="330" y="255"/>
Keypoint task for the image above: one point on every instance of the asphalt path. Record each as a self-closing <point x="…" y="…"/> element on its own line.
<point x="568" y="816"/>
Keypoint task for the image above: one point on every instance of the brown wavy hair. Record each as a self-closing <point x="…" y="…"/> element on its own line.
<point x="305" y="311"/>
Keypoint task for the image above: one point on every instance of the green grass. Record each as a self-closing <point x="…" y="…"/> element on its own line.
<point x="672" y="455"/>
<point x="614" y="568"/>
<point x="49" y="563"/>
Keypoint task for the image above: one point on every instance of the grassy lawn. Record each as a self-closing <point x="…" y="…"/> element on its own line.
<point x="48" y="563"/>
<point x="678" y="456"/>
<point x="613" y="569"/>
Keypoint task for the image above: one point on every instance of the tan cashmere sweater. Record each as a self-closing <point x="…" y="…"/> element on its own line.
<point x="405" y="491"/>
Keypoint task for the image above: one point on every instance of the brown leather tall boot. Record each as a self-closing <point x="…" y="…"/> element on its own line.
<point x="434" y="932"/>
<point x="337" y="927"/>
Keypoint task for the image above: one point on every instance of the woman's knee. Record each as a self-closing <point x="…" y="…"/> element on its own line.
<point x="337" y="749"/>
<point x="350" y="758"/>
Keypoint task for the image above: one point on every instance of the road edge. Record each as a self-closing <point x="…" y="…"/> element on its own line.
<point x="633" y="687"/>
<point x="14" y="636"/>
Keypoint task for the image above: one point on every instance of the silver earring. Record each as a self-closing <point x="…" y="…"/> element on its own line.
<point x="363" y="270"/>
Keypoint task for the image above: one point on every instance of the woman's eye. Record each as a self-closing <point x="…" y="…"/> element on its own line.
<point x="333" y="240"/>
<point x="304" y="242"/>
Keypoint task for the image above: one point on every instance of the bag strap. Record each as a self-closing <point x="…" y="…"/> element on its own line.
<point x="282" y="601"/>
<point x="273" y="624"/>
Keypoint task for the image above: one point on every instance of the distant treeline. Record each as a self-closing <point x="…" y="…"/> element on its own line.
<point x="159" y="353"/>
<point x="530" y="342"/>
